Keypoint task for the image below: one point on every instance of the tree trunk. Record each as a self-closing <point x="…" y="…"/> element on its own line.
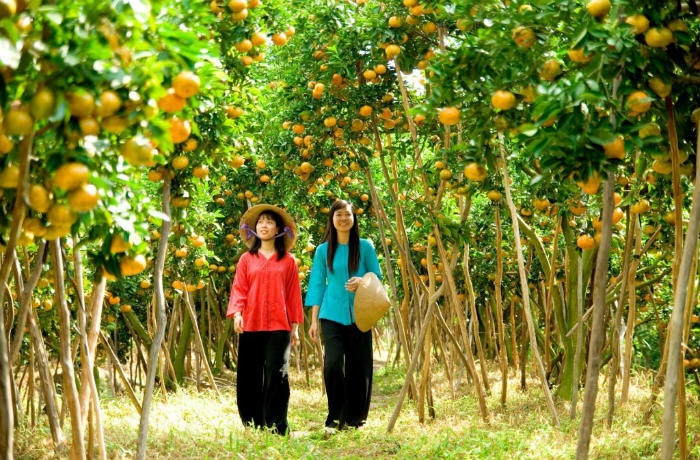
<point x="675" y="329"/>
<point x="598" y="325"/>
<point x="160" y="317"/>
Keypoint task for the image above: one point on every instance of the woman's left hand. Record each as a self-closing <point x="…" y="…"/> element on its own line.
<point x="353" y="283"/>
<point x="294" y="339"/>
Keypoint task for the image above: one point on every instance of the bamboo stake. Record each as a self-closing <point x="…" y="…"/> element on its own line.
<point x="632" y="313"/>
<point x="198" y="340"/>
<point x="502" y="358"/>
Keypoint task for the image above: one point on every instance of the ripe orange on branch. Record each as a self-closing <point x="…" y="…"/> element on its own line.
<point x="502" y="99"/>
<point x="637" y="103"/>
<point x="70" y="176"/>
<point x="523" y="36"/>
<point x="132" y="265"/>
<point x="475" y="172"/>
<point x="639" y="23"/>
<point x="658" y="37"/>
<point x="449" y="116"/>
<point x="598" y="8"/>
<point x="616" y="148"/>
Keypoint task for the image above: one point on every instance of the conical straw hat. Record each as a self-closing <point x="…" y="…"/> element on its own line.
<point x="371" y="302"/>
<point x="250" y="218"/>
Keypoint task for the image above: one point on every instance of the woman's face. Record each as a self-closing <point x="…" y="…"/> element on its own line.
<point x="343" y="219"/>
<point x="266" y="227"/>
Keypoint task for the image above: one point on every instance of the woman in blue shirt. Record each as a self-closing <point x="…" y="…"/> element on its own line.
<point x="339" y="263"/>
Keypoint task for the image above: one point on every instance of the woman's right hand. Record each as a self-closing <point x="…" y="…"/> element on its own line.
<point x="238" y="323"/>
<point x="313" y="331"/>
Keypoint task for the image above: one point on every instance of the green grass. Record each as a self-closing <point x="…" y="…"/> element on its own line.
<point x="203" y="425"/>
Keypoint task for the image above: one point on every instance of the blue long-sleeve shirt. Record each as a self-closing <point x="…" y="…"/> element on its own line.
<point x="327" y="289"/>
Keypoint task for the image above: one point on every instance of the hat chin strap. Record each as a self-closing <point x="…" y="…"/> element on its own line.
<point x="249" y="232"/>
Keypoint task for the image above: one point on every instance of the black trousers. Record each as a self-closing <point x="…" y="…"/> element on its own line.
<point x="347" y="371"/>
<point x="262" y="383"/>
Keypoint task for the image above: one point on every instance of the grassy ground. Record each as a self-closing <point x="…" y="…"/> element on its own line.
<point x="194" y="424"/>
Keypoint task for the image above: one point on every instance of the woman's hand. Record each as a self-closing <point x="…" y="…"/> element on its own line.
<point x="238" y="323"/>
<point x="294" y="337"/>
<point x="313" y="330"/>
<point x="353" y="283"/>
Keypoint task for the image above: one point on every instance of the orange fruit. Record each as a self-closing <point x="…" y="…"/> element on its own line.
<point x="170" y="102"/>
<point x="616" y="148"/>
<point x="61" y="215"/>
<point x="523" y="36"/>
<point x="392" y="51"/>
<point x="650" y="129"/>
<point x="494" y="195"/>
<point x="115" y="124"/>
<point x="70" y="176"/>
<point x="379" y="69"/>
<point x="550" y="70"/>
<point x="200" y="171"/>
<point x="34" y="226"/>
<point x="237" y="161"/>
<point x="369" y="74"/>
<point x="366" y="110"/>
<point x="395" y="22"/>
<point x="330" y="122"/>
<point x="108" y="104"/>
<point x="89" y="126"/>
<point x="585" y="242"/>
<point x="39" y="198"/>
<point x="132" y="265"/>
<point x="237" y="5"/>
<point x="639" y="23"/>
<point x="598" y="8"/>
<point x="258" y="39"/>
<point x="658" y="37"/>
<point x="503" y="100"/>
<point x="637" y="103"/>
<point x="80" y="103"/>
<point x="18" y="122"/>
<point x="118" y="244"/>
<point x="244" y="45"/>
<point x="180" y="162"/>
<point x="449" y="116"/>
<point x="279" y="38"/>
<point x="591" y="184"/>
<point x="180" y="129"/>
<point x="84" y="198"/>
<point x="475" y="172"/>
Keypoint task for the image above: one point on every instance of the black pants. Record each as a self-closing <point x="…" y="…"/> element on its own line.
<point x="262" y="383"/>
<point x="347" y="371"/>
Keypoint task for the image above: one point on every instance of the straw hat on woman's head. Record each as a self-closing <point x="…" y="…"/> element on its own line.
<point x="250" y="219"/>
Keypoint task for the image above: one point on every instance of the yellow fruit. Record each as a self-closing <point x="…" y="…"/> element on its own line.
<point x="39" y="198"/>
<point x="660" y="87"/>
<point x="43" y="104"/>
<point x="494" y="195"/>
<point x="6" y="144"/>
<point x="279" y="39"/>
<point x="237" y="5"/>
<point x="9" y="177"/>
<point x="84" y="198"/>
<point x="637" y="103"/>
<point x="89" y="126"/>
<point x="503" y="100"/>
<point x="449" y="116"/>
<point x="392" y="51"/>
<point x="658" y="37"/>
<point x="524" y="37"/>
<point x="108" y="104"/>
<point x="395" y="22"/>
<point x="8" y="8"/>
<point x="18" y="122"/>
<point x="650" y="129"/>
<point x="591" y="184"/>
<point x="258" y="39"/>
<point x="550" y="70"/>
<point x="34" y="226"/>
<point x="138" y="151"/>
<point x="598" y="8"/>
<point x="132" y="265"/>
<point x="578" y="55"/>
<point x="115" y="124"/>
<point x="200" y="171"/>
<point x="475" y="172"/>
<point x="118" y="244"/>
<point x="70" y="176"/>
<point x="80" y="103"/>
<point x="639" y="23"/>
<point x="61" y="215"/>
<point x="244" y="46"/>
<point x="616" y="148"/>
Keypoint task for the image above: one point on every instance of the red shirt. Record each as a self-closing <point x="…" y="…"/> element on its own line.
<point x="267" y="292"/>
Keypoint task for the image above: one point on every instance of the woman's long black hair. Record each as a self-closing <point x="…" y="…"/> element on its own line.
<point x="280" y="246"/>
<point x="331" y="236"/>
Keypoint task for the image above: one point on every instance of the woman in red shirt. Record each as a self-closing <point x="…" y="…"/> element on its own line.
<point x="266" y="307"/>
